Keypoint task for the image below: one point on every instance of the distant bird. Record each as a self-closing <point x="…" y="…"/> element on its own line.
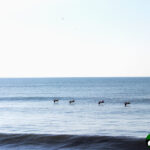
<point x="126" y="103"/>
<point x="102" y="101"/>
<point x="55" y="100"/>
<point x="71" y="101"/>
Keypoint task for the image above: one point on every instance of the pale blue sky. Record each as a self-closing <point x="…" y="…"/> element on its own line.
<point x="58" y="38"/>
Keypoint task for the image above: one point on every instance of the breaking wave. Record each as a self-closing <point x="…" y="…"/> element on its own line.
<point x="71" y="142"/>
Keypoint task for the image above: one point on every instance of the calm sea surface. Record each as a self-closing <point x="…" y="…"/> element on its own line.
<point x="27" y="107"/>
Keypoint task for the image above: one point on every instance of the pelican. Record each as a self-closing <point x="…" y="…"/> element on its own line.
<point x="71" y="101"/>
<point x="102" y="101"/>
<point x="55" y="100"/>
<point x="126" y="103"/>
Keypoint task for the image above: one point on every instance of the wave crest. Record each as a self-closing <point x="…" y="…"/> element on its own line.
<point x="74" y="141"/>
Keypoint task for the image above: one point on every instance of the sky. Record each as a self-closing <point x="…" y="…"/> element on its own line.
<point x="74" y="38"/>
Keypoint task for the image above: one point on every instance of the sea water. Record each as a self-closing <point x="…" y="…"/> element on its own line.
<point x="28" y="115"/>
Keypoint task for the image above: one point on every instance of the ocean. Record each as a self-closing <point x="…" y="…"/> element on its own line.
<point x="29" y="119"/>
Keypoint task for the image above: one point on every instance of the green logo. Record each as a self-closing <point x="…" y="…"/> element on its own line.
<point x="148" y="140"/>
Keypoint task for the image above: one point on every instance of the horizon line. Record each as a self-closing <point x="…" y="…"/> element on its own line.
<point x="78" y="77"/>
